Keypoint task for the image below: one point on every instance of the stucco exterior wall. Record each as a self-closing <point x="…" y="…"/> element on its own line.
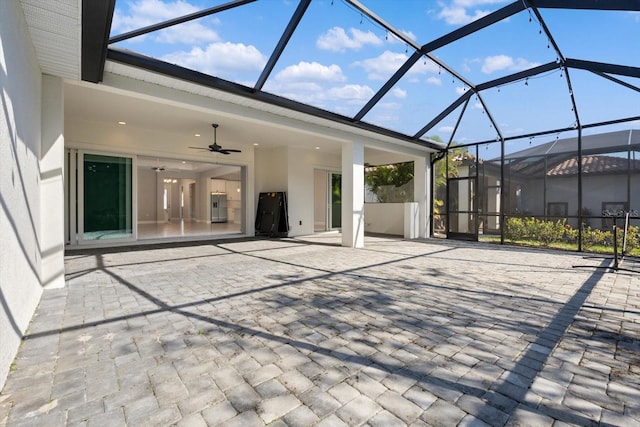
<point x="302" y="163"/>
<point x="385" y="218"/>
<point x="20" y="204"/>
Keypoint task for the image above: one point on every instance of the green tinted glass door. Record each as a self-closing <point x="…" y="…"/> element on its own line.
<point x="336" y="200"/>
<point x="107" y="197"/>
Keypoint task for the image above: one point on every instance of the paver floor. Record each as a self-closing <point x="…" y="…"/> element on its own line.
<point x="301" y="332"/>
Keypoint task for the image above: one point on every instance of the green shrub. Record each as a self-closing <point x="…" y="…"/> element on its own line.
<point x="515" y="229"/>
<point x="550" y="231"/>
<point x="633" y="237"/>
<point x="596" y="237"/>
<point x="530" y="228"/>
<point x="570" y="234"/>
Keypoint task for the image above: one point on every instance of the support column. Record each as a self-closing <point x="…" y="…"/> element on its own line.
<point x="353" y="194"/>
<point x="52" y="218"/>
<point x="422" y="192"/>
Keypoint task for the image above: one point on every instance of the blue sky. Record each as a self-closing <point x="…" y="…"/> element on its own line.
<point x="338" y="59"/>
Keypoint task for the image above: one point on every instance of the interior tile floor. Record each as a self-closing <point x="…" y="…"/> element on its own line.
<point x="177" y="228"/>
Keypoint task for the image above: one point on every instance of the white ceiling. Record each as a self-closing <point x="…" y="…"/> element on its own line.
<point x="180" y="167"/>
<point x="92" y="103"/>
<point x="101" y="103"/>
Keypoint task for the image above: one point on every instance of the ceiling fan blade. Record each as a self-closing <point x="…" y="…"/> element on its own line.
<point x="200" y="148"/>
<point x="223" y="152"/>
<point x="232" y="150"/>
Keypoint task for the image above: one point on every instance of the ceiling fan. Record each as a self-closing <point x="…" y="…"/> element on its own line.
<point x="215" y="148"/>
<point x="157" y="167"/>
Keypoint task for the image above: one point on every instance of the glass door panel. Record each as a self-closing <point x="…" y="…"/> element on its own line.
<point x="462" y="208"/>
<point x="320" y="208"/>
<point x="107" y="209"/>
<point x="464" y="223"/>
<point x="336" y="200"/>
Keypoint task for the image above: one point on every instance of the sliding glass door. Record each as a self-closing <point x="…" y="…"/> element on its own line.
<point x="105" y="198"/>
<point x="335" y="206"/>
<point x="107" y="191"/>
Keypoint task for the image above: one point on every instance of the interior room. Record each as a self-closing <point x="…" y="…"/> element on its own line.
<point x="179" y="198"/>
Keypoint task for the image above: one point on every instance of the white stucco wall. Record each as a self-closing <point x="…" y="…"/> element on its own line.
<point x="20" y="139"/>
<point x="271" y="170"/>
<point x="301" y="186"/>
<point x="292" y="170"/>
<point x="384" y="218"/>
<point x="52" y="229"/>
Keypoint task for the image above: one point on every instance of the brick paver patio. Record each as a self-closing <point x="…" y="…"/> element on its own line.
<point x="301" y="332"/>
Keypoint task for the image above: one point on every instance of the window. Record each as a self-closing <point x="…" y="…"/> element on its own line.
<point x="392" y="183"/>
<point x="557" y="209"/>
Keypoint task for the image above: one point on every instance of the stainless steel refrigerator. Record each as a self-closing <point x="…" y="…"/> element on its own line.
<point x="218" y="207"/>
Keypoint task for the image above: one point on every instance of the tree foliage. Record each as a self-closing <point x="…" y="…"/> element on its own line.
<point x="444" y="168"/>
<point x="390" y="183"/>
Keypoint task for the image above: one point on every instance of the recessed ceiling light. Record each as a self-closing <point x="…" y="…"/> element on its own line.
<point x="197" y="134"/>
<point x="255" y="144"/>
<point x="184" y="163"/>
<point x="122" y="123"/>
<point x="317" y="148"/>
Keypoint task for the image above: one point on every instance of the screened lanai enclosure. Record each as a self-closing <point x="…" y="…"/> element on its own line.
<point x="546" y="193"/>
<point x="532" y="107"/>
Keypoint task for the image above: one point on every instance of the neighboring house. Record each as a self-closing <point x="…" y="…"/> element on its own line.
<point x="542" y="181"/>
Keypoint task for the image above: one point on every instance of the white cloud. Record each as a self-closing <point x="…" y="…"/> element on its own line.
<point x="383" y="66"/>
<point x="424" y="67"/>
<point x="496" y="63"/>
<point x="307" y="92"/>
<point x="491" y="64"/>
<point x="143" y="13"/>
<point x="302" y="87"/>
<point x="409" y="34"/>
<point x="303" y="71"/>
<point x="461" y="12"/>
<point x="337" y="39"/>
<point x="322" y="95"/>
<point x="436" y="81"/>
<point x="459" y="15"/>
<point x="478" y="106"/>
<point x="188" y="33"/>
<point x="392" y="38"/>
<point x="461" y="90"/>
<point x="350" y="93"/>
<point x="399" y="93"/>
<point x="219" y="58"/>
<point x="385" y="117"/>
<point x="445" y="129"/>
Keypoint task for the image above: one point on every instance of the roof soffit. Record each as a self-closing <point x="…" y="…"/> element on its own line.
<point x="55" y="32"/>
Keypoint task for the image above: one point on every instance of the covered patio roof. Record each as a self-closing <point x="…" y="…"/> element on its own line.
<point x="468" y="110"/>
